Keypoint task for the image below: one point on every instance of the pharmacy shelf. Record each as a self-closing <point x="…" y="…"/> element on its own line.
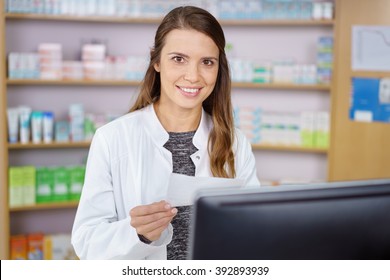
<point x="86" y="144"/>
<point x="289" y="148"/>
<point x="141" y="20"/>
<point x="287" y="86"/>
<point x="54" y="145"/>
<point x="45" y="206"/>
<point x="31" y="82"/>
<point x="26" y="19"/>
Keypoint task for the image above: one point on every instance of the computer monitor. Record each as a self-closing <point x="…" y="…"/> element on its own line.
<point x="328" y="221"/>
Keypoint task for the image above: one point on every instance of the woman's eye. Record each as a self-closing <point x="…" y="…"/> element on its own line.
<point x="178" y="59"/>
<point x="208" y="62"/>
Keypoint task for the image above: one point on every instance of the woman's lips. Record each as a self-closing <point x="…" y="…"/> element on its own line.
<point x="189" y="91"/>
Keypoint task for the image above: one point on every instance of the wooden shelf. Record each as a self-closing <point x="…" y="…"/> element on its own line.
<point x="83" y="18"/>
<point x="32" y="82"/>
<point x="322" y="87"/>
<point x="277" y="22"/>
<point x="29" y="82"/>
<point x="370" y="74"/>
<point x="289" y="148"/>
<point x="68" y="145"/>
<point x="54" y="145"/>
<point x="45" y="206"/>
<point x="142" y="20"/>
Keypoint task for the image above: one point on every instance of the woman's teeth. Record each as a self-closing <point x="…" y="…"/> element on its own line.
<point x="190" y="90"/>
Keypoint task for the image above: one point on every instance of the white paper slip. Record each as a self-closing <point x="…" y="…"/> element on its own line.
<point x="182" y="189"/>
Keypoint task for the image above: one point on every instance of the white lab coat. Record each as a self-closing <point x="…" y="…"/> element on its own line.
<point x="128" y="166"/>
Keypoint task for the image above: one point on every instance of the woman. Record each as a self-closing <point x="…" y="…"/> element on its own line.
<point x="181" y="123"/>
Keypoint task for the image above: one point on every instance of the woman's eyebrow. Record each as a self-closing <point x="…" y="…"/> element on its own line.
<point x="187" y="56"/>
<point x="179" y="54"/>
<point x="210" y="58"/>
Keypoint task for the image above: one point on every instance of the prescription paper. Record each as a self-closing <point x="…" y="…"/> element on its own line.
<point x="182" y="189"/>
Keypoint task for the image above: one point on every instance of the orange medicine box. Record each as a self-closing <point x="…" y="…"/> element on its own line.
<point x="35" y="246"/>
<point x="18" y="247"/>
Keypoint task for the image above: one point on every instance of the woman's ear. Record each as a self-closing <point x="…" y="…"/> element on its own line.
<point x="157" y="67"/>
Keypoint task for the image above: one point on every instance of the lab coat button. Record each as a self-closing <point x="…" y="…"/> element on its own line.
<point x="198" y="157"/>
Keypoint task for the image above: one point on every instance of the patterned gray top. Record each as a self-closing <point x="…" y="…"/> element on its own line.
<point x="181" y="146"/>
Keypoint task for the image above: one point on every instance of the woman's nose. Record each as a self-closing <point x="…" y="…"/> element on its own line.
<point x="192" y="74"/>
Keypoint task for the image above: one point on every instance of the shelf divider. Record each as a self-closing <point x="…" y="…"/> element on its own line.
<point x="53" y="145"/>
<point x="285" y="86"/>
<point x="86" y="144"/>
<point x="157" y="20"/>
<point x="32" y="82"/>
<point x="45" y="206"/>
<point x="289" y="148"/>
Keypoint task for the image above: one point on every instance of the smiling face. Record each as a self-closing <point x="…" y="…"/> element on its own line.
<point x="188" y="70"/>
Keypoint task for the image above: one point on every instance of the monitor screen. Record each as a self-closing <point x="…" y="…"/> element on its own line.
<point x="328" y="221"/>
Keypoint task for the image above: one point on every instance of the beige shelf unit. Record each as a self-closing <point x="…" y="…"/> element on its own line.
<point x="5" y="147"/>
<point x="4" y="212"/>
<point x="358" y="150"/>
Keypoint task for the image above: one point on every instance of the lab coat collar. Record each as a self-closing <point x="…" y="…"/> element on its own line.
<point x="160" y="135"/>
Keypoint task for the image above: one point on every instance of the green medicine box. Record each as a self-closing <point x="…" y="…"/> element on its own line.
<point x="15" y="186"/>
<point x="61" y="184"/>
<point x="29" y="182"/>
<point x="76" y="175"/>
<point x="44" y="185"/>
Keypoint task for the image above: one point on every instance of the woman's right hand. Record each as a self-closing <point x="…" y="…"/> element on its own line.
<point x="152" y="219"/>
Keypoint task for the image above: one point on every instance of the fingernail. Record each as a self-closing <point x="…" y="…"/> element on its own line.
<point x="174" y="211"/>
<point x="167" y="206"/>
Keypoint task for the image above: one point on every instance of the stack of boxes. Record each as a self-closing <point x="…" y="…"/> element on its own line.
<point x="286" y="70"/>
<point x="280" y="128"/>
<point x="305" y="129"/>
<point x="93" y="59"/>
<point x="21" y="186"/>
<point x="223" y="9"/>
<point x="249" y="121"/>
<point x="25" y="125"/>
<point x="29" y="185"/>
<point x="37" y="246"/>
<point x="27" y="247"/>
<point x="72" y="70"/>
<point x="50" y="61"/>
<point x="23" y="66"/>
<point x="76" y="122"/>
<point x="322" y="129"/>
<point x="262" y="72"/>
<point x="324" y="60"/>
<point x="95" y="65"/>
<point x="135" y="67"/>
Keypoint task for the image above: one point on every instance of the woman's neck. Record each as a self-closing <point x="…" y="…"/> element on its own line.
<point x="177" y="120"/>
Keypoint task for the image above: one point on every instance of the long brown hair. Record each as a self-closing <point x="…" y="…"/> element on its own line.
<point x="218" y="104"/>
